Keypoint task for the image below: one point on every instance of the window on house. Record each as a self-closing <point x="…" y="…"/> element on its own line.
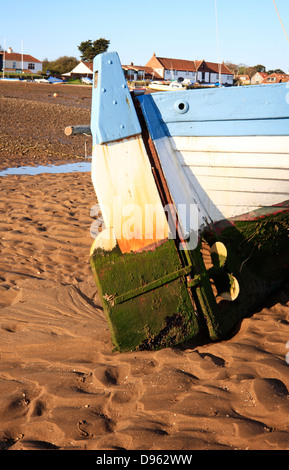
<point x="203" y="75"/>
<point x="14" y="65"/>
<point x="31" y="66"/>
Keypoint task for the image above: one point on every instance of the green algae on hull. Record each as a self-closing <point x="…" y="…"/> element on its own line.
<point x="163" y="297"/>
<point x="155" y="309"/>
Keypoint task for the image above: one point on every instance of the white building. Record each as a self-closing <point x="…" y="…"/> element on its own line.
<point x="16" y="62"/>
<point x="83" y="69"/>
<point x="194" y="70"/>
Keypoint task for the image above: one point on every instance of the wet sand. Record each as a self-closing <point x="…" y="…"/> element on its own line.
<point x="61" y="384"/>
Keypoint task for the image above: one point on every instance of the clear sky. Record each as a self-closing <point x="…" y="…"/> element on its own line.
<point x="249" y="31"/>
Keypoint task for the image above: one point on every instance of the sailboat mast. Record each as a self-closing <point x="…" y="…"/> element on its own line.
<point x="217" y="33"/>
<point x="22" y="55"/>
<point x="3" y="68"/>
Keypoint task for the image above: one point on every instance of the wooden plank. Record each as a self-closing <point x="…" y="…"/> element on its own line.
<point x="237" y="192"/>
<point x="127" y="194"/>
<point x="231" y="183"/>
<point x="243" y="144"/>
<point x="258" y="127"/>
<point x="113" y="116"/>
<point x="234" y="160"/>
<point x="236" y="103"/>
<point x="245" y="173"/>
<point x="232" y="201"/>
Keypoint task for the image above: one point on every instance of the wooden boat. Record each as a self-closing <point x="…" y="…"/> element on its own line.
<point x="137" y="90"/>
<point x="86" y="80"/>
<point x="171" y="86"/>
<point x="193" y="190"/>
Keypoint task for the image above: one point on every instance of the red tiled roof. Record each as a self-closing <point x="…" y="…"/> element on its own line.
<point x="263" y="74"/>
<point x="177" y="64"/>
<point x="18" y="57"/>
<point x="280" y="77"/>
<point x="215" y="67"/>
<point x="89" y="65"/>
<point x="191" y="65"/>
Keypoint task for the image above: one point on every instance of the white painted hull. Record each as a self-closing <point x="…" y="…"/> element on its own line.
<point x="170" y="87"/>
<point x="224" y="177"/>
<point x="235" y="175"/>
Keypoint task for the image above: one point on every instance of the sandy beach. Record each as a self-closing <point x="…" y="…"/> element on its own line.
<point x="62" y="386"/>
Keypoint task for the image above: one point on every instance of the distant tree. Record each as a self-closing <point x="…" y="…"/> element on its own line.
<point x="59" y="66"/>
<point x="260" y="68"/>
<point x="250" y="71"/>
<point x="90" y="49"/>
<point x="275" y="71"/>
<point x="242" y="69"/>
<point x="232" y="67"/>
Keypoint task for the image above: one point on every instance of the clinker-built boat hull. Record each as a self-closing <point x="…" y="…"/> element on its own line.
<point x="193" y="190"/>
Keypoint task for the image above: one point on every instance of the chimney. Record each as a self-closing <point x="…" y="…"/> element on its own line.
<point x="9" y="50"/>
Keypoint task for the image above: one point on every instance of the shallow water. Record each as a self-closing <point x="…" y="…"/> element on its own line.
<point x="37" y="170"/>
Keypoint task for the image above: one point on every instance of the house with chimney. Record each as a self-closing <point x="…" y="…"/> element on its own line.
<point x="193" y="70"/>
<point x="16" y="62"/>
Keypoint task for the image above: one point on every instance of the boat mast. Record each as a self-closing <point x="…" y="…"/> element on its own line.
<point x="22" y="55"/>
<point x="3" y="67"/>
<point x="217" y="33"/>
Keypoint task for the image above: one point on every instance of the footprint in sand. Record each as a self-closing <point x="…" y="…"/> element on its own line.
<point x="264" y="399"/>
<point x="272" y="394"/>
<point x="109" y="375"/>
<point x="123" y="387"/>
<point x="30" y="402"/>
